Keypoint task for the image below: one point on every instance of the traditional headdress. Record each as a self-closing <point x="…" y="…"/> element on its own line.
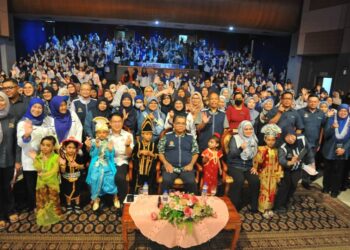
<point x="101" y="123"/>
<point x="271" y="129"/>
<point x="147" y="125"/>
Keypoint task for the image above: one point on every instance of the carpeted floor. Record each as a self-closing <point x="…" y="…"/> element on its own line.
<point x="314" y="221"/>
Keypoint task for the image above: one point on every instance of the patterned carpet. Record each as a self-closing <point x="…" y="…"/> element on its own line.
<point x="314" y="221"/>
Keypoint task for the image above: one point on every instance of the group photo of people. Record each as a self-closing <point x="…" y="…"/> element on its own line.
<point x="66" y="130"/>
<point x="174" y="124"/>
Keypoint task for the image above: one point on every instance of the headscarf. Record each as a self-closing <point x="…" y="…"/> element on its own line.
<point x="165" y="108"/>
<point x="4" y="113"/>
<point x="118" y="95"/>
<point x="157" y="112"/>
<point x="196" y="110"/>
<point x="227" y="100"/>
<point x="37" y="121"/>
<point x="131" y="121"/>
<point x="51" y="90"/>
<point x="63" y="122"/>
<point x="181" y="112"/>
<point x="342" y="132"/>
<point x="97" y="112"/>
<point x="250" y="151"/>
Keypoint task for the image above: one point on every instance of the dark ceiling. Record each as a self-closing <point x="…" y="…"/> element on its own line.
<point x="269" y="15"/>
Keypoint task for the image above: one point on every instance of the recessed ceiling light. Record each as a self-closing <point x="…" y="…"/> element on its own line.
<point x="156" y="22"/>
<point x="230" y="28"/>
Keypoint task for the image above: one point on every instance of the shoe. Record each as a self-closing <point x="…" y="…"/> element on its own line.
<point x="281" y="210"/>
<point x="116" y="203"/>
<point x="13" y="218"/>
<point x="306" y="185"/>
<point x="343" y="188"/>
<point x="77" y="209"/>
<point x="271" y="214"/>
<point x="325" y="191"/>
<point x="69" y="209"/>
<point x="119" y="212"/>
<point x="96" y="205"/>
<point x="334" y="194"/>
<point x="266" y="215"/>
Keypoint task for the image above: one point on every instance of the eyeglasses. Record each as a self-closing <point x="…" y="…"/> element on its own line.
<point x="8" y="88"/>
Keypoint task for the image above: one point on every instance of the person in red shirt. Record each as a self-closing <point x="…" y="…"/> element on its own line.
<point x="237" y="112"/>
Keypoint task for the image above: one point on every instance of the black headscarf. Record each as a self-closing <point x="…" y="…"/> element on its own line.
<point x="131" y="121"/>
<point x="165" y="108"/>
<point x="97" y="112"/>
<point x="181" y="112"/>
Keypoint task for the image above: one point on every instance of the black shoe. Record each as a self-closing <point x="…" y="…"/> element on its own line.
<point x="343" y="188"/>
<point x="325" y="191"/>
<point x="306" y="185"/>
<point x="253" y="211"/>
<point x="69" y="209"/>
<point x="77" y="209"/>
<point x="334" y="194"/>
<point x="281" y="210"/>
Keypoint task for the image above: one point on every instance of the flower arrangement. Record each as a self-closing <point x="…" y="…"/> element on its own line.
<point x="182" y="210"/>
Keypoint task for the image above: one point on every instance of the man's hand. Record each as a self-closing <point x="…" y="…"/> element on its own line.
<point x="188" y="167"/>
<point x="339" y="151"/>
<point x="294" y="160"/>
<point x="205" y="118"/>
<point x="281" y="109"/>
<point x="128" y="141"/>
<point x="253" y="171"/>
<point x="18" y="166"/>
<point x="169" y="168"/>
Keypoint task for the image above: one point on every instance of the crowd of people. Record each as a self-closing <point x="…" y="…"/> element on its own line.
<point x="71" y="54"/>
<point x="69" y="134"/>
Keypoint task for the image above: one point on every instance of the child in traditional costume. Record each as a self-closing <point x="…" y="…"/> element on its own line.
<point x="102" y="169"/>
<point x="211" y="163"/>
<point x="71" y="165"/>
<point x="48" y="210"/>
<point x="270" y="172"/>
<point x="144" y="158"/>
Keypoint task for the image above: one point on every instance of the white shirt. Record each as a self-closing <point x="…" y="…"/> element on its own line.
<point x="33" y="144"/>
<point x="118" y="140"/>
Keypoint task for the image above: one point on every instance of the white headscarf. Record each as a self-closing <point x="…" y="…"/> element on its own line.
<point x="4" y="112"/>
<point x="252" y="146"/>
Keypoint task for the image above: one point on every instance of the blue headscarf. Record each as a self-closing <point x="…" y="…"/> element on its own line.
<point x="63" y="122"/>
<point x="35" y="120"/>
<point x="343" y="131"/>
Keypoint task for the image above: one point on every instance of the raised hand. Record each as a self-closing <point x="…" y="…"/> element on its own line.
<point x="28" y="128"/>
<point x="205" y="118"/>
<point x="88" y="142"/>
<point x="128" y="141"/>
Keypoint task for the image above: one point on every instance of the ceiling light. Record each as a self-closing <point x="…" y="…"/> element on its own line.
<point x="230" y="28"/>
<point x="156" y="22"/>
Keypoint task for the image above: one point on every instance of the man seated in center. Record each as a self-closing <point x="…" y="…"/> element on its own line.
<point x="178" y="151"/>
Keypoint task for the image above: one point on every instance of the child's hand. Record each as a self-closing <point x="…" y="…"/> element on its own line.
<point x="40" y="173"/>
<point x="253" y="171"/>
<point x="110" y="145"/>
<point x="98" y="143"/>
<point x="88" y="142"/>
<point x="32" y="154"/>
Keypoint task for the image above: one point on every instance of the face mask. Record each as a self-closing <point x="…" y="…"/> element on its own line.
<point x="238" y="102"/>
<point x="138" y="105"/>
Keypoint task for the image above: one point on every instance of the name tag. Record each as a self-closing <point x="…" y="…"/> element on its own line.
<point x="11" y="125"/>
<point x="80" y="110"/>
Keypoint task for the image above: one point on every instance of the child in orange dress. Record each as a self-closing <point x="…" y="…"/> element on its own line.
<point x="211" y="163"/>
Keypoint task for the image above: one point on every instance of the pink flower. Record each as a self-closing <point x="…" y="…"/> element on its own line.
<point x="194" y="199"/>
<point x="186" y="196"/>
<point x="154" y="216"/>
<point x="188" y="211"/>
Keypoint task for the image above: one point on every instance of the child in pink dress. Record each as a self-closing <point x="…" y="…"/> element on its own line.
<point x="211" y="163"/>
